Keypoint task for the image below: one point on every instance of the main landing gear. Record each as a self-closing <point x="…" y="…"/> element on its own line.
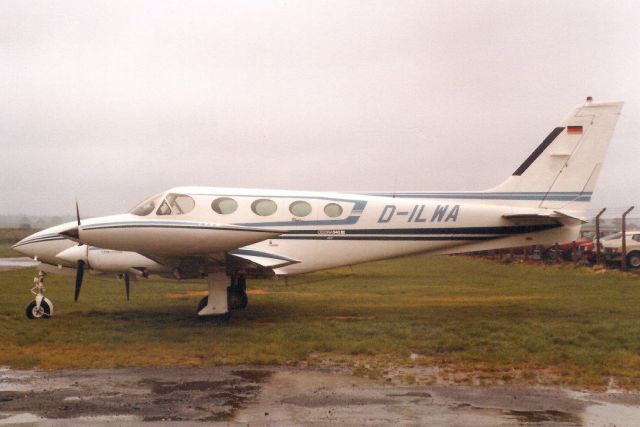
<point x="41" y="307"/>
<point x="223" y="297"/>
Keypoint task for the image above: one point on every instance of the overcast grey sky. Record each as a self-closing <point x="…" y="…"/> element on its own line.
<point x="112" y="101"/>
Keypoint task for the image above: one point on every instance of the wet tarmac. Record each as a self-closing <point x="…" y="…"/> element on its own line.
<point x="289" y="396"/>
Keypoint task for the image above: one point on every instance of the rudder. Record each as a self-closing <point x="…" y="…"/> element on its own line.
<point x="564" y="168"/>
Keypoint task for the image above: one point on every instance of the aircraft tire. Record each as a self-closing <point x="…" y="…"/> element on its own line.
<point x="202" y="304"/>
<point x="34" y="313"/>
<point x="238" y="300"/>
<point x="633" y="259"/>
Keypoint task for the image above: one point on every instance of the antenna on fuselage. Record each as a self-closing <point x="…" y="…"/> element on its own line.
<point x="395" y="185"/>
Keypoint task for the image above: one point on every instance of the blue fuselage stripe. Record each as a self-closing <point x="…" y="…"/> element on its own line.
<point x="511" y="229"/>
<point x="388" y="238"/>
<point x="190" y="227"/>
<point x="525" y="196"/>
<point x="38" y="239"/>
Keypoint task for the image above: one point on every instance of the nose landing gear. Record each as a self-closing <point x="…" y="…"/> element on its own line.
<point x="41" y="307"/>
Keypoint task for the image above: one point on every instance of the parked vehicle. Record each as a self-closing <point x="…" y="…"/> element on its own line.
<point x="612" y="248"/>
<point x="572" y="251"/>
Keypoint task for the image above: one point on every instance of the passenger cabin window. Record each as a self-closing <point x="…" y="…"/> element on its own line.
<point x="176" y="204"/>
<point x="333" y="210"/>
<point x="636" y="237"/>
<point x="147" y="206"/>
<point x="264" y="207"/>
<point x="224" y="205"/>
<point x="300" y="208"/>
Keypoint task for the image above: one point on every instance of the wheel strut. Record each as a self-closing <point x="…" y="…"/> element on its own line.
<point x="41" y="307"/>
<point x="215" y="305"/>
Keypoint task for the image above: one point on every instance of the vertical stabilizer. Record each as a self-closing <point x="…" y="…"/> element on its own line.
<point x="563" y="170"/>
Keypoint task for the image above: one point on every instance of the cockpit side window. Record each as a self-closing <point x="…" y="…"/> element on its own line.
<point x="147" y="206"/>
<point x="176" y="204"/>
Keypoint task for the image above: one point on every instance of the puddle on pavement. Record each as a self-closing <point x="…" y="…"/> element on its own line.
<point x="536" y="417"/>
<point x="545" y="417"/>
<point x="144" y="395"/>
<point x="216" y="400"/>
<point x="257" y="376"/>
<point x="412" y="394"/>
<point x="167" y="387"/>
<point x="224" y="394"/>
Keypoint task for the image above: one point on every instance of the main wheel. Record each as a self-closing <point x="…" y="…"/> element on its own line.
<point x="633" y="259"/>
<point x="238" y="300"/>
<point x="35" y="312"/>
<point x="202" y="304"/>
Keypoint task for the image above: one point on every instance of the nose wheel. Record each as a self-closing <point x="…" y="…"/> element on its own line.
<point x="38" y="311"/>
<point x="41" y="307"/>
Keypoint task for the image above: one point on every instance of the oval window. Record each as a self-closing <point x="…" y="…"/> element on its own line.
<point x="264" y="207"/>
<point x="300" y="208"/>
<point x="224" y="205"/>
<point x="333" y="210"/>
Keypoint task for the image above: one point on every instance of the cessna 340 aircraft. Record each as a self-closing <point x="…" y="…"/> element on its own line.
<point x="228" y="235"/>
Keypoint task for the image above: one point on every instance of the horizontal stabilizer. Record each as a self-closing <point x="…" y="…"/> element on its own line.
<point x="569" y="219"/>
<point x="538" y="218"/>
<point x="263" y="259"/>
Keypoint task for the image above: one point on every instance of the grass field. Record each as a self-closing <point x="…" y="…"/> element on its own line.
<point x="477" y="320"/>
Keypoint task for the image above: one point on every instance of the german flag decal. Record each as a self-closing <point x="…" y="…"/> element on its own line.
<point x="574" y="130"/>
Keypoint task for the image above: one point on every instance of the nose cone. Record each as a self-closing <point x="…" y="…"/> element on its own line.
<point x="25" y="247"/>
<point x="46" y="243"/>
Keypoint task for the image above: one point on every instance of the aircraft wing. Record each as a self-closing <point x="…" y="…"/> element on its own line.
<point x="173" y="239"/>
<point x="252" y="261"/>
<point x="20" y="262"/>
<point x="263" y="258"/>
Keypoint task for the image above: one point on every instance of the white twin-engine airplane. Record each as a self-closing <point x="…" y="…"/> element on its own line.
<point x="228" y="235"/>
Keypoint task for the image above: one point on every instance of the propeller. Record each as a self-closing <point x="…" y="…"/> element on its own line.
<point x="77" y="213"/>
<point x="80" y="254"/>
<point x="126" y="284"/>
<point x="81" y="262"/>
<point x="79" y="276"/>
<point x="73" y="233"/>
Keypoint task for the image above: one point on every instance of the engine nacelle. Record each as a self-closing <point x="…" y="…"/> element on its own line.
<point x="110" y="261"/>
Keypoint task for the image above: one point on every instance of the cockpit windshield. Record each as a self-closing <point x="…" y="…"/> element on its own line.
<point x="173" y="204"/>
<point x="146" y="207"/>
<point x="176" y="204"/>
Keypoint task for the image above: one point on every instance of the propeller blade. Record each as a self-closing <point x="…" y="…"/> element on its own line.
<point x="126" y="284"/>
<point x="77" y="213"/>
<point x="79" y="275"/>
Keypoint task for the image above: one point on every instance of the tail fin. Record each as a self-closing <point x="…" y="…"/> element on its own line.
<point x="564" y="169"/>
